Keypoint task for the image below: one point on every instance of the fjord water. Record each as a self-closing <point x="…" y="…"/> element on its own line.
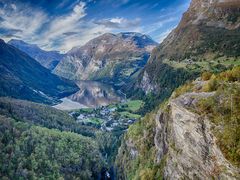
<point x="92" y="94"/>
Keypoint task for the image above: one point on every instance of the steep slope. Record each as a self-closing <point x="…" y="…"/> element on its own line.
<point x="108" y="57"/>
<point x="48" y="59"/>
<point x="24" y="78"/>
<point x="206" y="39"/>
<point x="195" y="135"/>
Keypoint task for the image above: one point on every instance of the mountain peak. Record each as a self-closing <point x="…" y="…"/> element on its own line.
<point x="2" y="41"/>
<point x="140" y="40"/>
<point x="130" y="34"/>
<point x="218" y="13"/>
<point x="108" y="34"/>
<point x="18" y="42"/>
<point x="110" y="56"/>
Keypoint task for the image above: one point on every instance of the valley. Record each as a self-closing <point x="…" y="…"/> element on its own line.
<point x="86" y="95"/>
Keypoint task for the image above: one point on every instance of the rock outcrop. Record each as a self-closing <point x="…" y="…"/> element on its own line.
<point x="175" y="142"/>
<point x="192" y="151"/>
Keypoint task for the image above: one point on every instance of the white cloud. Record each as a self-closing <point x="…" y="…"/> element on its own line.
<point x="33" y="25"/>
<point x="161" y="23"/>
<point x="83" y="36"/>
<point x="163" y="35"/>
<point x="119" y="23"/>
<point x="60" y="26"/>
<point x="22" y="19"/>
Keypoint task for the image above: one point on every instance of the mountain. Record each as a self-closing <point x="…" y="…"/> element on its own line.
<point x="24" y="78"/>
<point x="193" y="135"/>
<point x="206" y="39"/>
<point x="110" y="57"/>
<point x="48" y="59"/>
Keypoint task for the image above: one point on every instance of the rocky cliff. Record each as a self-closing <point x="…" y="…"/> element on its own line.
<point x="109" y="57"/>
<point x="179" y="141"/>
<point x="192" y="150"/>
<point x="206" y="39"/>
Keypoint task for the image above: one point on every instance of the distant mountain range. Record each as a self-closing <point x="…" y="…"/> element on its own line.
<point x="110" y="57"/>
<point x="24" y="78"/>
<point x="48" y="59"/>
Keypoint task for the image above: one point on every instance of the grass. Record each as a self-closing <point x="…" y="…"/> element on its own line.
<point x="112" y="106"/>
<point x="94" y="120"/>
<point x="86" y="110"/>
<point x="211" y="64"/>
<point x="133" y="105"/>
<point x="128" y="72"/>
<point x="129" y="115"/>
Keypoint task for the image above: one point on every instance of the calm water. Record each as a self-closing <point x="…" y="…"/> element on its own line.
<point x="91" y="94"/>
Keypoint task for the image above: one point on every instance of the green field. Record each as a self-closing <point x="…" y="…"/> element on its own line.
<point x="133" y="105"/>
<point x="94" y="120"/>
<point x="86" y="110"/>
<point x="212" y="64"/>
<point x="129" y="115"/>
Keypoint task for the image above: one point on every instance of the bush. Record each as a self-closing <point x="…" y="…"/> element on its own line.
<point x="211" y="85"/>
<point x="223" y="109"/>
<point x="183" y="89"/>
<point x="206" y="76"/>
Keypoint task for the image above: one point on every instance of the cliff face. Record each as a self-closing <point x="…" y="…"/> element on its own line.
<point x="191" y="146"/>
<point x="179" y="142"/>
<point x="198" y="24"/>
<point x="207" y="38"/>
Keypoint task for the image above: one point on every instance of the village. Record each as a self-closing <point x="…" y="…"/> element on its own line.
<point x="113" y="117"/>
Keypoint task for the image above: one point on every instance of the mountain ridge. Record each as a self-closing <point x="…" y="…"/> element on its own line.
<point x="48" y="59"/>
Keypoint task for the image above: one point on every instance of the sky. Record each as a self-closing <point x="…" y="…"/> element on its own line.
<point x="64" y="24"/>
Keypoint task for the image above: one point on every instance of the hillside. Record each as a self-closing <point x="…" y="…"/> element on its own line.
<point x="48" y="59"/>
<point x="33" y="152"/>
<point x="194" y="135"/>
<point x="110" y="58"/>
<point x="24" y="78"/>
<point x="42" y="115"/>
<point x="206" y="39"/>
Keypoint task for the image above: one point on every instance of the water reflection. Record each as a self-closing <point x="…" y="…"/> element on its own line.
<point x="91" y="94"/>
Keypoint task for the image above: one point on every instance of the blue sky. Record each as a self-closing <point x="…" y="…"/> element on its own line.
<point x="61" y="25"/>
